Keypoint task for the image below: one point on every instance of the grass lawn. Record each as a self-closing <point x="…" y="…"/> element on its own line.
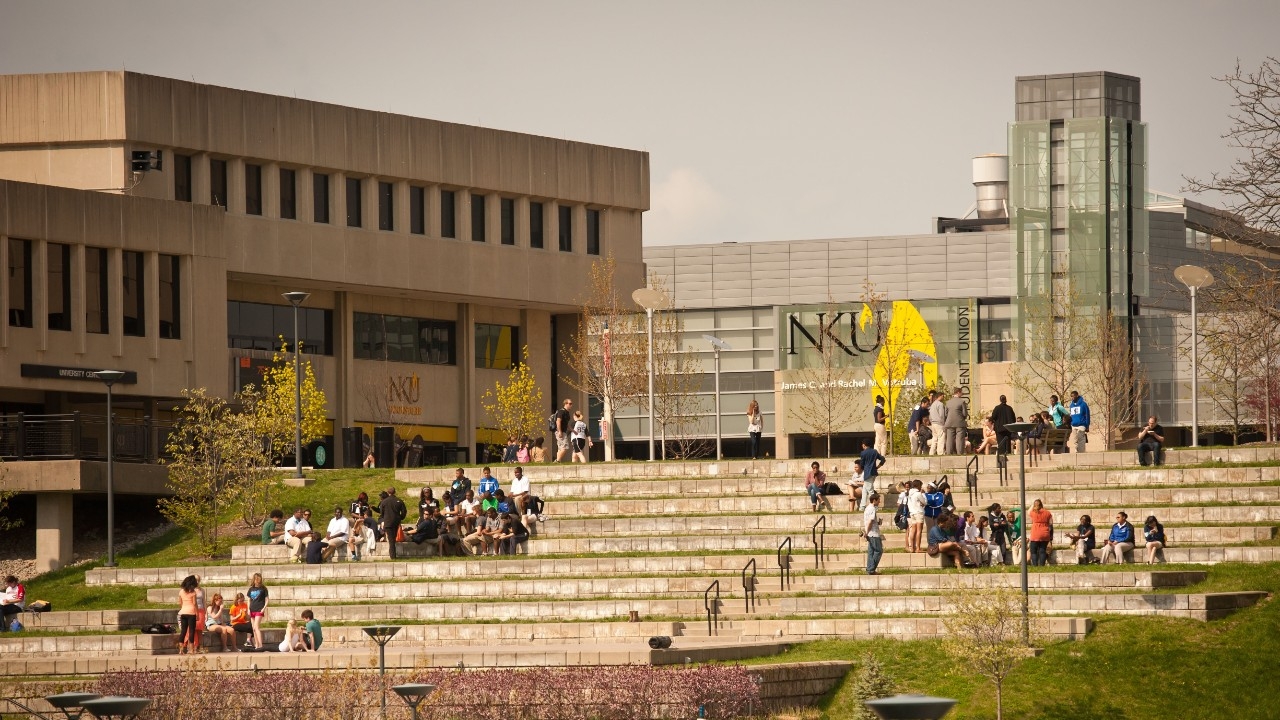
<point x="1129" y="667"/>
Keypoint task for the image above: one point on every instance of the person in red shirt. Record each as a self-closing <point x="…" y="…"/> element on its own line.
<point x="12" y="601"/>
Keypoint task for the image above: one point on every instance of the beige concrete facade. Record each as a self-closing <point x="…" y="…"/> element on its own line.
<point x="219" y="211"/>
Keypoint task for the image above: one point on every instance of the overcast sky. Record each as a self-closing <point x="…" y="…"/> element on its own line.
<point x="764" y="121"/>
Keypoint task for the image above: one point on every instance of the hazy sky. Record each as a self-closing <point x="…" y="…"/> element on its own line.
<point x="764" y="121"/>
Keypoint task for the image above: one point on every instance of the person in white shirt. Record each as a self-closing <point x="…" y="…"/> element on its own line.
<point x="579" y="438"/>
<point x="915" y="517"/>
<point x="337" y="534"/>
<point x="871" y="529"/>
<point x="470" y="512"/>
<point x="974" y="543"/>
<point x="520" y="496"/>
<point x="297" y="532"/>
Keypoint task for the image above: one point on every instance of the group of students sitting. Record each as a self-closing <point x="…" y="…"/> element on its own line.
<point x="460" y="523"/>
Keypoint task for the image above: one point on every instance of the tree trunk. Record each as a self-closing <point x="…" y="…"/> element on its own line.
<point x="999" y="702"/>
<point x="608" y="427"/>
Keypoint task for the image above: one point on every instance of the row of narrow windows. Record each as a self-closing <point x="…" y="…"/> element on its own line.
<point x="448" y="199"/>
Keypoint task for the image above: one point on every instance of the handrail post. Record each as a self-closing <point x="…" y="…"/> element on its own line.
<point x="971" y="479"/>
<point x="749" y="585"/>
<point x="819" y="541"/>
<point x="784" y="564"/>
<point x="712" y="608"/>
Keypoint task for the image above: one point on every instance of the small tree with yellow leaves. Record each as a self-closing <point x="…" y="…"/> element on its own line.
<point x="516" y="404"/>
<point x="985" y="633"/>
<point x="274" y="406"/>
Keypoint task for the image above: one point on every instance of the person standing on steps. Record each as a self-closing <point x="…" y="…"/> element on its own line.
<point x="872" y="460"/>
<point x="393" y="513"/>
<point x="755" y="426"/>
<point x="1002" y="415"/>
<point x="1079" y="410"/>
<point x="871" y="529"/>
<point x="937" y="422"/>
<point x="878" y="424"/>
<point x="956" y="423"/>
<point x="921" y="412"/>
<point x="564" y="431"/>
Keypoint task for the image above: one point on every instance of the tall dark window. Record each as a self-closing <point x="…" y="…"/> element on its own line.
<point x="218" y="182"/>
<point x="20" y="283"/>
<point x="565" y="228"/>
<point x="497" y="346"/>
<point x="95" y="291"/>
<point x="508" y="213"/>
<point x="135" y="303"/>
<point x="170" y="297"/>
<point x="258" y="326"/>
<point x="182" y="177"/>
<point x="288" y="194"/>
<point x="535" y="225"/>
<point x="448" y="214"/>
<point x="320" y="197"/>
<point x="386" y="206"/>
<point x="417" y="210"/>
<point x="253" y="189"/>
<point x="353" y="202"/>
<point x="593" y="232"/>
<point x="477" y="218"/>
<point x="59" y="282"/>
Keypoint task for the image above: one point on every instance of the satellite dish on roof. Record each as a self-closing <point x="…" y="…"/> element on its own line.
<point x="717" y="343"/>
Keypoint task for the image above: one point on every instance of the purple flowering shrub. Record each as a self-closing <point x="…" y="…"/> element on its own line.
<point x="612" y="692"/>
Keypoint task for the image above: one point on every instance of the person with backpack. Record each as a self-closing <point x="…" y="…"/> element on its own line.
<point x="561" y="423"/>
<point x="393" y="513"/>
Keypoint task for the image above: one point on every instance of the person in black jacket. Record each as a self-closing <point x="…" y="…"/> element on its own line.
<point x="393" y="513"/>
<point x="1000" y="416"/>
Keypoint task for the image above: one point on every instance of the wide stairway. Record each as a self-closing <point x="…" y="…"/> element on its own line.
<point x="632" y="551"/>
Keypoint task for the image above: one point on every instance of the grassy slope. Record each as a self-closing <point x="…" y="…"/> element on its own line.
<point x="1129" y="667"/>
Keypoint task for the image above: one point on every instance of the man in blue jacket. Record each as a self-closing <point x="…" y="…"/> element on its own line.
<point x="934" y="501"/>
<point x="1079" y="410"/>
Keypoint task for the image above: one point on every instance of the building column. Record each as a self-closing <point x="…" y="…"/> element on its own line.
<point x="54" y="525"/>
<point x="40" y="292"/>
<point x="522" y="221"/>
<point x="271" y="191"/>
<point x="462" y="214"/>
<point x="305" y="195"/>
<point x="235" y="186"/>
<point x="79" y="303"/>
<point x="400" y="206"/>
<point x="467" y="365"/>
<point x="200" y="179"/>
<point x="781" y="440"/>
<point x="151" y="298"/>
<point x="344" y="362"/>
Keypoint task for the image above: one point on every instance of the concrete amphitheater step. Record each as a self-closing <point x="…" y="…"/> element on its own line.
<point x="798" y="502"/>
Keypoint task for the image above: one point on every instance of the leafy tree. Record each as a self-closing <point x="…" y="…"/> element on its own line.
<point x="607" y="355"/>
<point x="274" y="406"/>
<point x="216" y="459"/>
<point x="871" y="683"/>
<point x="1117" y="381"/>
<point x="516" y="406"/>
<point x="678" y="408"/>
<point x="1055" y="347"/>
<point x="985" y="633"/>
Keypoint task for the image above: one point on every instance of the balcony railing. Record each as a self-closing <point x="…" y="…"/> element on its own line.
<point x="77" y="436"/>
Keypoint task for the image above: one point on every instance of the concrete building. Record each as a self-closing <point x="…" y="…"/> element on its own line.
<point x="1065" y="214"/>
<point x="151" y="225"/>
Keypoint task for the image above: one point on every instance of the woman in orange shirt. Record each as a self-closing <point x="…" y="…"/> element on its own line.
<point x="240" y="618"/>
<point x="1039" y="533"/>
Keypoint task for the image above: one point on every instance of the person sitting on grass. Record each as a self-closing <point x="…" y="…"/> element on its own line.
<point x="273" y="528"/>
<point x="428" y="530"/>
<point x="12" y="601"/>
<point x="337" y="535"/>
<point x="942" y="541"/>
<point x="363" y="537"/>
<point x="312" y="633"/>
<point x="470" y="513"/>
<point x="1120" y="541"/>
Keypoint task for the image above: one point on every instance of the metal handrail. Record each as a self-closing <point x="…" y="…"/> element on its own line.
<point x="79" y="436"/>
<point x="749" y="585"/>
<point x="1002" y="468"/>
<point x="784" y="564"/>
<point x="713" y="608"/>
<point x="971" y="479"/>
<point x="819" y="541"/>
<point x="28" y="710"/>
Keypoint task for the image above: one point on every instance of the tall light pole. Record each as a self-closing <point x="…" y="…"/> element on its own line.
<point x="1195" y="278"/>
<point x="382" y="635"/>
<point x="650" y="299"/>
<point x="109" y="378"/>
<point x="1021" y="429"/>
<point x="716" y="346"/>
<point x="295" y="299"/>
